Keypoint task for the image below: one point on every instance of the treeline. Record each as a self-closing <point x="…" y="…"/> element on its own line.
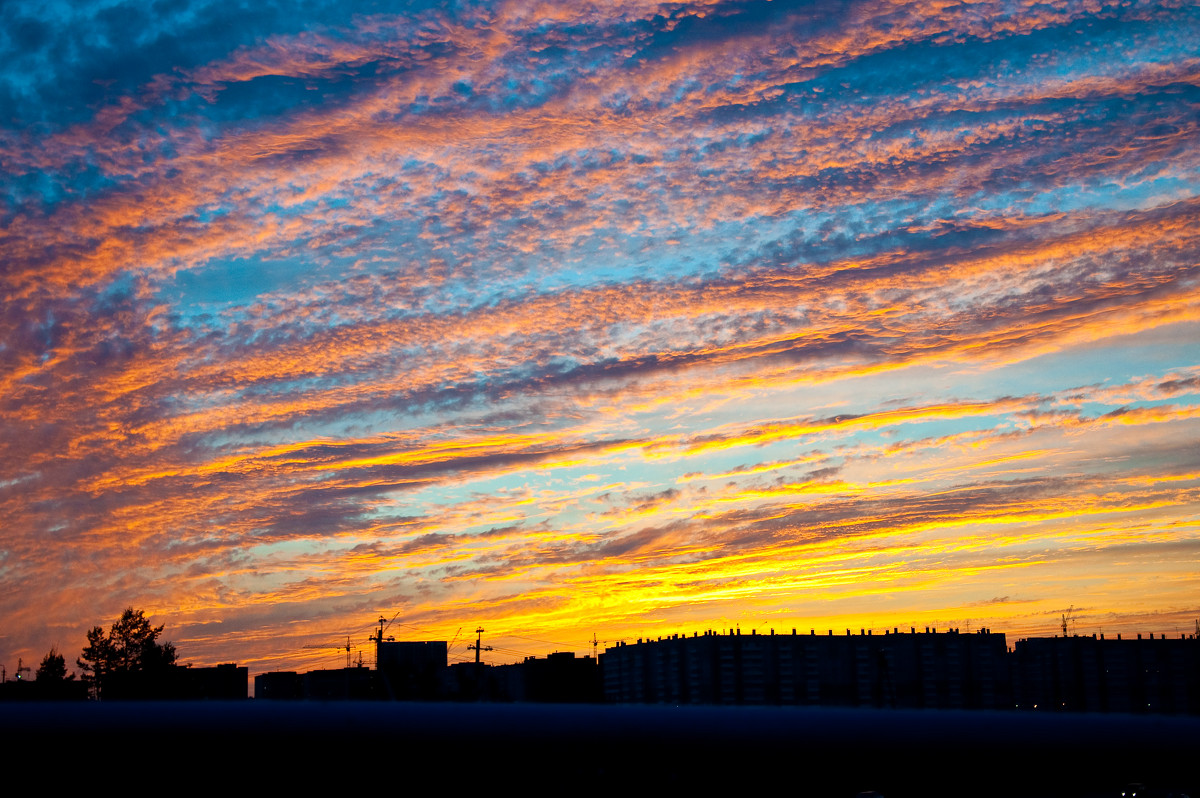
<point x="125" y="662"/>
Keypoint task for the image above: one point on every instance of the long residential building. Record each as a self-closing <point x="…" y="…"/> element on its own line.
<point x="914" y="669"/>
<point x="1092" y="674"/>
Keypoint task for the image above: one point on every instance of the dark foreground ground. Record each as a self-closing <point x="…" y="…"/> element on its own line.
<point x="449" y="749"/>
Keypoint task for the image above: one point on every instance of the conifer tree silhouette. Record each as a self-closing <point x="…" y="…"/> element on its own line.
<point x="129" y="650"/>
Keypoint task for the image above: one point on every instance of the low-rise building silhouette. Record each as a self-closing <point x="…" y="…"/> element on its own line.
<point x="338" y="684"/>
<point x="279" y="686"/>
<point x="559" y="678"/>
<point x="179" y="683"/>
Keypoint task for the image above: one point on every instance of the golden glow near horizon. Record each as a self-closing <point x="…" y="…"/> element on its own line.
<point x="627" y="321"/>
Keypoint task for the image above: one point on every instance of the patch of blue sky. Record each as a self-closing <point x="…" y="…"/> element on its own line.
<point x="1111" y="46"/>
<point x="917" y="429"/>
<point x="301" y="385"/>
<point x="605" y="257"/>
<point x="224" y="284"/>
<point x="742" y="462"/>
<point x="79" y="183"/>
<point x="1107" y="361"/>
<point x="282" y="552"/>
<point x="683" y="254"/>
<point x="1152" y="187"/>
<point x="266" y="96"/>
<point x="1101" y="47"/>
<point x="523" y="93"/>
<point x="440" y="500"/>
<point x="658" y="260"/>
<point x="861" y="229"/>
<point x="1097" y="409"/>
<point x="20" y="192"/>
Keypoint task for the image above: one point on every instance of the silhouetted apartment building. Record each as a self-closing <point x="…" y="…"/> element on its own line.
<point x="947" y="670"/>
<point x="411" y="670"/>
<point x="1092" y="674"/>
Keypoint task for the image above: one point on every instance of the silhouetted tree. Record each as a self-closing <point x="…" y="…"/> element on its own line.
<point x="129" y="651"/>
<point x="53" y="683"/>
<point x="53" y="669"/>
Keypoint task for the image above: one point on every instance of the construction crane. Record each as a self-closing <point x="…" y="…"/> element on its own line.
<point x="377" y="637"/>
<point x="338" y="646"/>
<point x="453" y="640"/>
<point x="1066" y="617"/>
<point x="595" y="645"/>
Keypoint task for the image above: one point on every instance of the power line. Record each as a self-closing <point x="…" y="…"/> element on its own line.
<point x="547" y="642"/>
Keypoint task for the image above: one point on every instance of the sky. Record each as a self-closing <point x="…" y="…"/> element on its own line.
<point x="585" y="322"/>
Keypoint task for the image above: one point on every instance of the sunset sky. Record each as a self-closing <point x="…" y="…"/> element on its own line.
<point x="620" y="319"/>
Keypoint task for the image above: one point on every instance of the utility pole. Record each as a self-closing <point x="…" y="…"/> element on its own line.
<point x="479" y="647"/>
